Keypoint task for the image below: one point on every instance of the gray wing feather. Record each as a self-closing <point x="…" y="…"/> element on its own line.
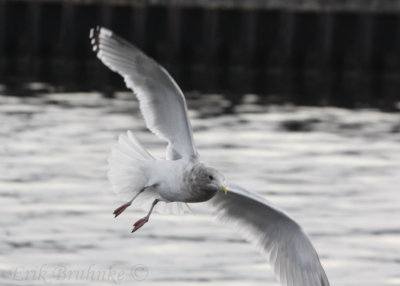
<point x="290" y="252"/>
<point x="161" y="101"/>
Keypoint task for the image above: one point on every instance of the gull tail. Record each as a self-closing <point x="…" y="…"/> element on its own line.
<point x="129" y="164"/>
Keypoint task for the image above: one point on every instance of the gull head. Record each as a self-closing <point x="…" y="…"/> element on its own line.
<point x="204" y="182"/>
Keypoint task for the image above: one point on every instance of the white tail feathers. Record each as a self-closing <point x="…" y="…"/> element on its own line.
<point x="129" y="163"/>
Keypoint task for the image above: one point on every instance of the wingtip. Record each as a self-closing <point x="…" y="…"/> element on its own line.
<point x="93" y="32"/>
<point x="94" y="38"/>
<point x="96" y="34"/>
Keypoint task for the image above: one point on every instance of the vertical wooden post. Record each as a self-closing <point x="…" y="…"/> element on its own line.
<point x="67" y="45"/>
<point x="337" y="65"/>
<point x="287" y="24"/>
<point x="20" y="21"/>
<point x="173" y="33"/>
<point x="3" y="21"/>
<point x="138" y="20"/>
<point x="211" y="42"/>
<point x="235" y="46"/>
<point x="173" y="40"/>
<point x="327" y="24"/>
<point x="389" y="73"/>
<point x="104" y="82"/>
<point x="249" y="43"/>
<point x="396" y="72"/>
<point x="35" y="61"/>
<point x="268" y="51"/>
<point x="105" y="11"/>
<point x="249" y="35"/>
<point x="367" y="29"/>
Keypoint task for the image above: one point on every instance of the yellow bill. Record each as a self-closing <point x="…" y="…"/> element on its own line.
<point x="224" y="189"/>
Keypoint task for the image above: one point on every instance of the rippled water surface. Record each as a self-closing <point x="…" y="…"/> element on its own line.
<point x="337" y="172"/>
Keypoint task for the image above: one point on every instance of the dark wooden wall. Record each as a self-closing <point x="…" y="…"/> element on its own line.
<point x="341" y="58"/>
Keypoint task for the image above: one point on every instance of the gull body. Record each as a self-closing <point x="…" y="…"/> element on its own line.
<point x="134" y="171"/>
<point x="178" y="180"/>
<point x="182" y="178"/>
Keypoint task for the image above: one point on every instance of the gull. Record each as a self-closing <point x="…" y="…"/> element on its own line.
<point x="183" y="178"/>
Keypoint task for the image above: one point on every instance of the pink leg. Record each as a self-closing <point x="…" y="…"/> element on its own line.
<point x="119" y="210"/>
<point x="145" y="219"/>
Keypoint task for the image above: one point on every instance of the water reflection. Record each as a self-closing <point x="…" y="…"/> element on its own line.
<point x="336" y="171"/>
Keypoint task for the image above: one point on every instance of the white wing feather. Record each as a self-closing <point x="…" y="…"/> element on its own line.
<point x="290" y="252"/>
<point x="161" y="101"/>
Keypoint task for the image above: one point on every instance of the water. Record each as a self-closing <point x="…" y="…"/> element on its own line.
<point x="337" y="172"/>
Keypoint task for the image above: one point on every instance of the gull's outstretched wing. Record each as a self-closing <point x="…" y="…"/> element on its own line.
<point x="291" y="254"/>
<point x="161" y="101"/>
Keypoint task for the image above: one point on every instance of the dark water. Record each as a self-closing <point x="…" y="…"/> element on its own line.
<point x="336" y="171"/>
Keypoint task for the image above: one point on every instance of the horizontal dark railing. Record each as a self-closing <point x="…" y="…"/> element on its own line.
<point x="297" y="5"/>
<point x="306" y="56"/>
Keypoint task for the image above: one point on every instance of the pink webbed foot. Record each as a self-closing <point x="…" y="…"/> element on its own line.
<point x="141" y="222"/>
<point x="120" y="210"/>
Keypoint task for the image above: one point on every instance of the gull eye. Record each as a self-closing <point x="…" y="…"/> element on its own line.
<point x="211" y="177"/>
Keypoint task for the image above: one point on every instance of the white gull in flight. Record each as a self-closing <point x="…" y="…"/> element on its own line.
<point x="182" y="178"/>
